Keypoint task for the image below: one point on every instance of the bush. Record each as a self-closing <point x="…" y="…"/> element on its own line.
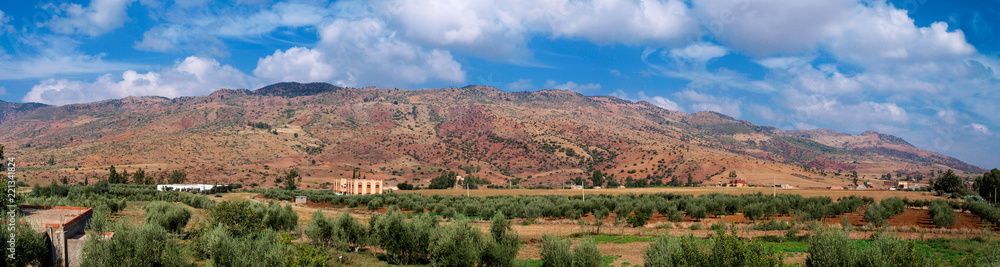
<point x="404" y="241"/>
<point x="263" y="248"/>
<point x="942" y="214"/>
<point x="456" y="244"/>
<point x="638" y="219"/>
<point x="31" y="246"/>
<point x="147" y="245"/>
<point x="726" y="250"/>
<point x="169" y="216"/>
<point x="894" y="206"/>
<point x="876" y="215"/>
<point x="831" y="247"/>
<point x="665" y="251"/>
<point x="280" y="219"/>
<point x="586" y="254"/>
<point x="501" y="245"/>
<point x="555" y="252"/>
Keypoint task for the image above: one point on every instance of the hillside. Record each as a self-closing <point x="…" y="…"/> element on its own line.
<point x="543" y="138"/>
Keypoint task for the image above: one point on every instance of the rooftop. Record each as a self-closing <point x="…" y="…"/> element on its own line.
<point x="42" y="216"/>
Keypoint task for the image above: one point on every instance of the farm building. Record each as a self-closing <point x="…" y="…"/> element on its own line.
<point x="358" y="186"/>
<point x="64" y="228"/>
<point x="185" y="187"/>
<point x="737" y="183"/>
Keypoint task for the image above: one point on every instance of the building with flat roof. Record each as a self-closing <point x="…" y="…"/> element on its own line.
<point x="358" y="186"/>
<point x="64" y="227"/>
<point x="186" y="187"/>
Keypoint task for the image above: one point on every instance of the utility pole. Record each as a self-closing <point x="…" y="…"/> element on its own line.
<point x="584" y="193"/>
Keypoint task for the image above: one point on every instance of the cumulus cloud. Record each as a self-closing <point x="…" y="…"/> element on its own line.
<point x="97" y="18"/>
<point x="659" y="101"/>
<point x="192" y="27"/>
<point x="980" y="129"/>
<point x="705" y="102"/>
<point x="572" y="86"/>
<point x="361" y="52"/>
<point x="297" y="64"/>
<point x="501" y="29"/>
<point x="191" y="77"/>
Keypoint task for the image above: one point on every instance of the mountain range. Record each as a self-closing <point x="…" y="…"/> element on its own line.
<point x="540" y="138"/>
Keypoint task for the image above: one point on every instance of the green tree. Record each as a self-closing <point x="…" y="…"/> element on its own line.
<point x="949" y="182"/>
<point x="139" y="177"/>
<point x="941" y="213"/>
<point x="599" y="216"/>
<point x="502" y="244"/>
<point x="444" y="181"/>
<point x="114" y="177"/>
<point x="31" y="248"/>
<point x="177" y="177"/>
<point x="988" y="185"/>
<point x="169" y="216"/>
<point x="597" y="178"/>
<point x="292" y="178"/>
<point x="146" y="245"/>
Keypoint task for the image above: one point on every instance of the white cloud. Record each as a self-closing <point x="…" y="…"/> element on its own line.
<point x="97" y="18"/>
<point x="521" y="85"/>
<point x="296" y="64"/>
<point x="863" y="31"/>
<point x="191" y="77"/>
<point x="501" y="29"/>
<point x="980" y="129"/>
<point x="705" y="102"/>
<point x="194" y="28"/>
<point x="572" y="86"/>
<point x="361" y="53"/>
<point x="659" y="101"/>
<point x="698" y="52"/>
<point x="4" y="26"/>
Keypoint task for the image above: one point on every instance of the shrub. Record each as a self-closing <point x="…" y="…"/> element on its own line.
<point x="942" y="214"/>
<point x="638" y="219"/>
<point x="278" y="218"/>
<point x="31" y="246"/>
<point x="555" y="252"/>
<point x="725" y="250"/>
<point x="893" y="206"/>
<point x="586" y="254"/>
<point x="831" y="247"/>
<point x="456" y="244"/>
<point x="263" y="248"/>
<point x="665" y="251"/>
<point x="876" y="215"/>
<point x="404" y="241"/>
<point x="169" y="216"/>
<point x="146" y="245"/>
<point x="501" y="245"/>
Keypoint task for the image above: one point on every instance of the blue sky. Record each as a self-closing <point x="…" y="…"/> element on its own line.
<point x="923" y="70"/>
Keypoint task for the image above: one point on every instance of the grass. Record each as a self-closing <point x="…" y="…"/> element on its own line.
<point x="607" y="259"/>
<point x="952" y="250"/>
<point x="621" y="239"/>
<point x="791" y="246"/>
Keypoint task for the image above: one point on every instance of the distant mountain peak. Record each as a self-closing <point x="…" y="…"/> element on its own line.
<point x="891" y="139"/>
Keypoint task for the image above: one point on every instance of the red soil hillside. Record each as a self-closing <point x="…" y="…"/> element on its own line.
<point x="544" y="138"/>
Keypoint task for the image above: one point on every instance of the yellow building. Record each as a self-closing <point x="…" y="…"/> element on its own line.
<point x="358" y="186"/>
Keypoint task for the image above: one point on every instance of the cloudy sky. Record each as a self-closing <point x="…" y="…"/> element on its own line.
<point x="924" y="70"/>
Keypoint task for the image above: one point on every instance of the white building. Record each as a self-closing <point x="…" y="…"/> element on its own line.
<point x="185" y="187"/>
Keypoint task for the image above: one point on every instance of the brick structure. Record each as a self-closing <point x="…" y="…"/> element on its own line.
<point x="64" y="227"/>
<point x="358" y="186"/>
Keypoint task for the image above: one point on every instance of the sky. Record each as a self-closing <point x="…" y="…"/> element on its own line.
<point x="924" y="70"/>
